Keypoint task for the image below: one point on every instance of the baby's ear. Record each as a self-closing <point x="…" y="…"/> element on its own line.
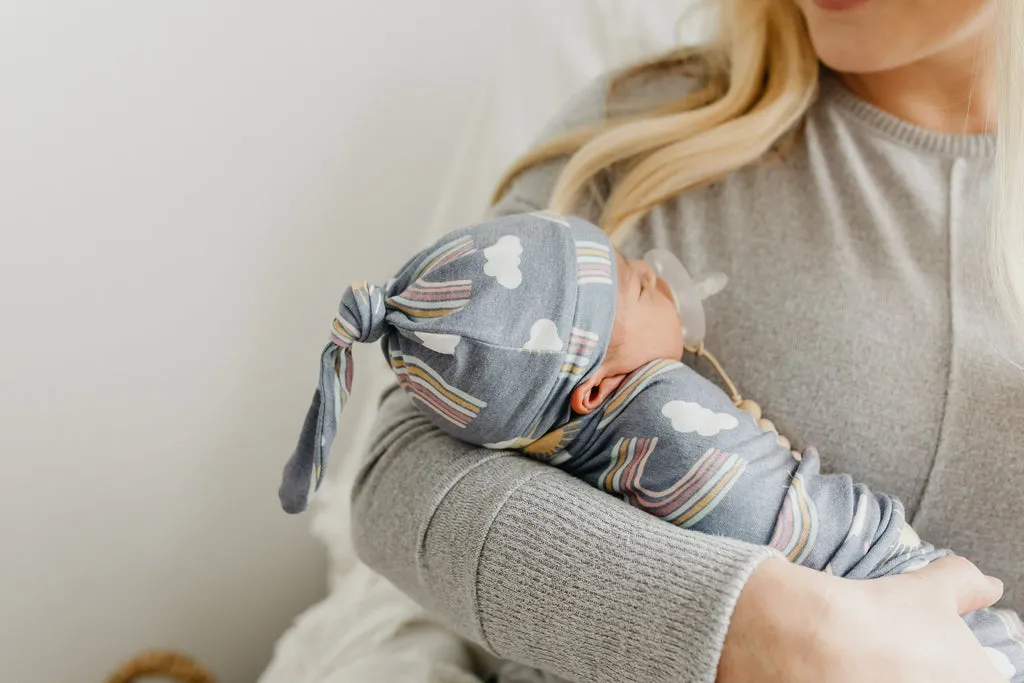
<point x="591" y="394"/>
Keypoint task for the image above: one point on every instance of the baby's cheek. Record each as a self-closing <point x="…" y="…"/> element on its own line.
<point x="622" y="297"/>
<point x="672" y="330"/>
<point x="617" y="342"/>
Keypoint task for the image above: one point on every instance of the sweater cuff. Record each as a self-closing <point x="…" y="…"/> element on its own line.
<point x="631" y="599"/>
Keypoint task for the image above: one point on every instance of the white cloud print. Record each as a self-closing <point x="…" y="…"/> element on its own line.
<point x="441" y="343"/>
<point x="544" y="337"/>
<point x="688" y="418"/>
<point x="909" y="538"/>
<point x="503" y="261"/>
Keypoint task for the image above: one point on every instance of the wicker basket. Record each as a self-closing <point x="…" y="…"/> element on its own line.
<point x="164" y="663"/>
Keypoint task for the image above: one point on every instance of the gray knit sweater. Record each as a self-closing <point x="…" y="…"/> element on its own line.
<point x="858" y="314"/>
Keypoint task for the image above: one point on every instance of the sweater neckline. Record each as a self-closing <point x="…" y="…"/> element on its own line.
<point x="881" y="122"/>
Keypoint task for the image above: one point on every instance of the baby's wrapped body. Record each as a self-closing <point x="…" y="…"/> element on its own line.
<point x="673" y="444"/>
<point x="531" y="333"/>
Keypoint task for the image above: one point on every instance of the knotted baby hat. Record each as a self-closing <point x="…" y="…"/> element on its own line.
<point x="488" y="330"/>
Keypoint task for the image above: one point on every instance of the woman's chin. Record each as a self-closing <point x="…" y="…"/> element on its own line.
<point x="852" y="56"/>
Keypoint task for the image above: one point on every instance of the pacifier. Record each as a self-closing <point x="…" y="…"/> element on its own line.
<point x="687" y="293"/>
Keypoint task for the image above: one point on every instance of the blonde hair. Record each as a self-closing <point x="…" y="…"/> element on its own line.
<point x="760" y="75"/>
<point x="1007" y="234"/>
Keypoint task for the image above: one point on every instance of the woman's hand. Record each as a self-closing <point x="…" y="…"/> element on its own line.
<point x="801" y="626"/>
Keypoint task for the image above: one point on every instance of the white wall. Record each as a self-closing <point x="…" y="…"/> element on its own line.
<point x="185" y="187"/>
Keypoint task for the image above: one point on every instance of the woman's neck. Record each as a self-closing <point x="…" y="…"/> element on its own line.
<point x="952" y="92"/>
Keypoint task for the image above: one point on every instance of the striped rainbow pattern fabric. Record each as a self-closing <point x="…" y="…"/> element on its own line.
<point x="443" y="255"/>
<point x="343" y="384"/>
<point x="634" y="384"/>
<point x="594" y="263"/>
<point x="1011" y="621"/>
<point x="427" y="387"/>
<point x="343" y="332"/>
<point x="578" y="356"/>
<point x="425" y="300"/>
<point x="797" y="527"/>
<point x="688" y="500"/>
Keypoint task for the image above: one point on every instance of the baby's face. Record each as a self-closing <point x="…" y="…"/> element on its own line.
<point x="647" y="326"/>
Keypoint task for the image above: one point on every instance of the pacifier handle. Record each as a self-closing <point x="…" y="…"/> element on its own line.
<point x="710" y="284"/>
<point x="688" y="293"/>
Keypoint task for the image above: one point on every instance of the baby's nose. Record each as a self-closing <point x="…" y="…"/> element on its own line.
<point x="665" y="289"/>
<point x="646" y="272"/>
<point x="650" y="278"/>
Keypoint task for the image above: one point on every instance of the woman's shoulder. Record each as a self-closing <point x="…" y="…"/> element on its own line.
<point x="613" y="94"/>
<point x="624" y="92"/>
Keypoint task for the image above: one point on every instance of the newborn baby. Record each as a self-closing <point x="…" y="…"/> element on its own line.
<point x="531" y="333"/>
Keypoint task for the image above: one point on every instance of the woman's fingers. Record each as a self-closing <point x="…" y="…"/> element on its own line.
<point x="792" y="624"/>
<point x="954" y="576"/>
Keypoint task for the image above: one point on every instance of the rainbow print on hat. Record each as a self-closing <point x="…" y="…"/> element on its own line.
<point x="472" y="327"/>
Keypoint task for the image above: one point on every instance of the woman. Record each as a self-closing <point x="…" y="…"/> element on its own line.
<point x="834" y="158"/>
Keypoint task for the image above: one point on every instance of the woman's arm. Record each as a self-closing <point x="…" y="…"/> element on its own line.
<point x="539" y="567"/>
<point x="543" y="569"/>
